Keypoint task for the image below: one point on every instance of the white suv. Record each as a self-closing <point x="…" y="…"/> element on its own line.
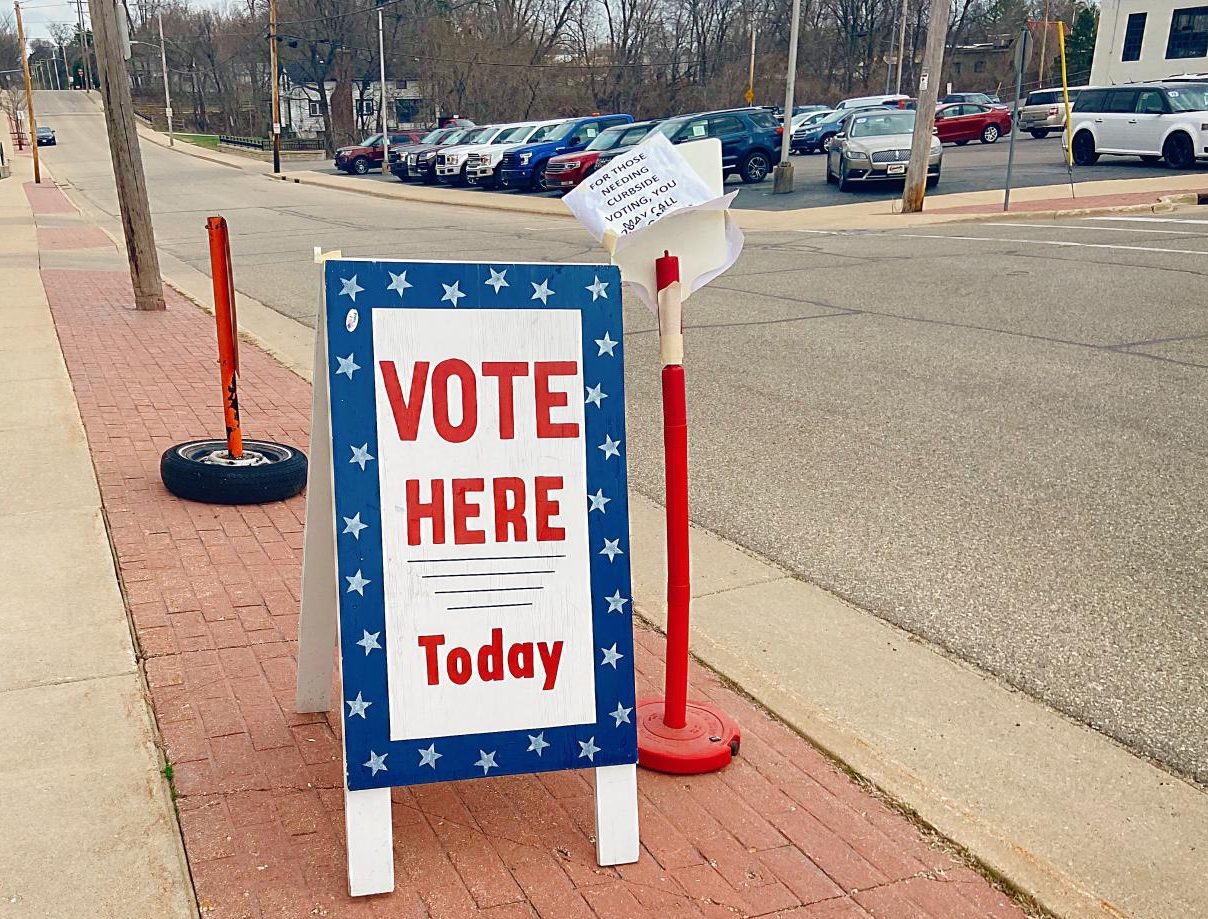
<point x="1151" y="120"/>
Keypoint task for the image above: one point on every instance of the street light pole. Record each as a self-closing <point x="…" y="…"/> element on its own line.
<point x="750" y="94"/>
<point x="79" y="5"/>
<point x="782" y="181"/>
<point x="29" y="94"/>
<point x="924" y="116"/>
<point x="382" y="93"/>
<point x="163" y="60"/>
<point x="276" y="82"/>
<point x="902" y="45"/>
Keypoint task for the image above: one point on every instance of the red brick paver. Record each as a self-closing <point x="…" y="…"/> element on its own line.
<point x="46" y="198"/>
<point x="1065" y="203"/>
<point x="77" y="237"/>
<point x="213" y="595"/>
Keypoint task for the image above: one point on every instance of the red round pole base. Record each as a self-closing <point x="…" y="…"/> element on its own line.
<point x="708" y="741"/>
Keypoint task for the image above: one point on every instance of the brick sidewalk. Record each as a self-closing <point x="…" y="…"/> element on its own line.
<point x="213" y="596"/>
<point x="1065" y="203"/>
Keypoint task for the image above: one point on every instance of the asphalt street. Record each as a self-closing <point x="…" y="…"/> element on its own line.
<point x="975" y="167"/>
<point x="993" y="435"/>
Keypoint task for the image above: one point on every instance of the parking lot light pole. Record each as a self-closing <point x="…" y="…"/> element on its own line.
<point x="163" y="60"/>
<point x="782" y="179"/>
<point x="382" y="94"/>
<point x="276" y="84"/>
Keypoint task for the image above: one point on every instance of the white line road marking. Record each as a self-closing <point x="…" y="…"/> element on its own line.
<point x="1099" y="229"/>
<point x="1052" y="242"/>
<point x="1149" y="219"/>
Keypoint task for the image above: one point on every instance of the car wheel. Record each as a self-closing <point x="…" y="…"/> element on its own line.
<point x="844" y="182"/>
<point x="1039" y="135"/>
<point x="360" y="166"/>
<point x="198" y="471"/>
<point x="990" y="134"/>
<point x="1178" y="151"/>
<point x="961" y="143"/>
<point x="830" y="176"/>
<point x="1084" y="151"/>
<point x="826" y="143"/>
<point x="755" y="167"/>
<point x="933" y="181"/>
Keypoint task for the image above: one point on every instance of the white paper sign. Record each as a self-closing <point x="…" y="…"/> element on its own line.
<point x="636" y="189"/>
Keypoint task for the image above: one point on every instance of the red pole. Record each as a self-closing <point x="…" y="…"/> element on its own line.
<point x="228" y="334"/>
<point x="675" y="735"/>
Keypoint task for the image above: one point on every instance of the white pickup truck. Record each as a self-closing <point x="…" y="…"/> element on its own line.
<point x="451" y="161"/>
<point x="483" y="161"/>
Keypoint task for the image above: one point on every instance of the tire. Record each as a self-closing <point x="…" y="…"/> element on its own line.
<point x="537" y="182"/>
<point x="844" y="183"/>
<point x="830" y="178"/>
<point x="961" y="143"/>
<point x="1178" y="151"/>
<point x="990" y="134"/>
<point x="1084" y="150"/>
<point x="187" y="475"/>
<point x="360" y="166"/>
<point x="755" y="167"/>
<point x="933" y="181"/>
<point x="826" y="142"/>
<point x="1039" y="135"/>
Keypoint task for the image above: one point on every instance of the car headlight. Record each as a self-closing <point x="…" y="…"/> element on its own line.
<point x="856" y="154"/>
<point x="936" y="146"/>
<point x="524" y="158"/>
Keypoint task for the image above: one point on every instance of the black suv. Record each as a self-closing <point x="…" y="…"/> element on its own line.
<point x="750" y="138"/>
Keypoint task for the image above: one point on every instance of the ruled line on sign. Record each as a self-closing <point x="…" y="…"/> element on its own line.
<point x="484" y="574"/>
<point x="482" y="558"/>
<point x="485" y="590"/>
<point x="490" y="606"/>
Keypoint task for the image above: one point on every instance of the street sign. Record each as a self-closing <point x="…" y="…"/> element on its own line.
<point x="479" y="513"/>
<point x="749" y="95"/>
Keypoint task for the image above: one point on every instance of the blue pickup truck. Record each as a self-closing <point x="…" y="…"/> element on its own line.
<point x="524" y="167"/>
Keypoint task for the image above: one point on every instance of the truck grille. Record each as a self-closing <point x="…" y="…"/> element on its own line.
<point x="473" y="159"/>
<point x="561" y="167"/>
<point x="508" y="161"/>
<point x="891" y="156"/>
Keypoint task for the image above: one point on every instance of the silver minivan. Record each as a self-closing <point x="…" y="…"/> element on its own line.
<point x="1043" y="111"/>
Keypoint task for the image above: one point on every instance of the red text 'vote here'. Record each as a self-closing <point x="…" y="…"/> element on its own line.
<point x="451" y="388"/>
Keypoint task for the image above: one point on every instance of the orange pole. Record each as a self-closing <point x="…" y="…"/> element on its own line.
<point x="228" y="332"/>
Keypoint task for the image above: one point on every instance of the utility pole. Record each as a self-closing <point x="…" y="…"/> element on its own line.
<point x="924" y="116"/>
<point x="66" y="68"/>
<point x="782" y="179"/>
<point x="1044" y="44"/>
<point x="382" y="94"/>
<point x="29" y="94"/>
<point x="902" y="45"/>
<point x="79" y="5"/>
<point x="276" y="83"/>
<point x="163" y="60"/>
<point x="750" y="93"/>
<point x="126" y="157"/>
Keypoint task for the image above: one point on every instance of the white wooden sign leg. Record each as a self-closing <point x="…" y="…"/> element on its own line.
<point x="617" y="815"/>
<point x="318" y="614"/>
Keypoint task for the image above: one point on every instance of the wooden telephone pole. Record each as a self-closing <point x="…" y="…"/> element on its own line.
<point x="29" y="95"/>
<point x="126" y="157"/>
<point x="924" y="116"/>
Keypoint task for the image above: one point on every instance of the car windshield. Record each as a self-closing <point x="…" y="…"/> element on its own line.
<point x="456" y="136"/>
<point x="874" y="125"/>
<point x="1192" y="97"/>
<point x="606" y="140"/>
<point x="543" y="133"/>
<point x="633" y="134"/>
<point x="561" y="131"/>
<point x="372" y="140"/>
<point x="834" y="117"/>
<point x="477" y="135"/>
<point x="513" y="134"/>
<point x="671" y="128"/>
<point x="433" y="137"/>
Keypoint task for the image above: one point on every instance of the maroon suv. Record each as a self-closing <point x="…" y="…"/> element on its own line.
<point x="359" y="159"/>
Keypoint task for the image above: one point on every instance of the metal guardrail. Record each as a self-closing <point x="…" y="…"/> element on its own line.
<point x="266" y="143"/>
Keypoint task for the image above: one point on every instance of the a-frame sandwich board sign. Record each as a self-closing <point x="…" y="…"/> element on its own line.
<point x="467" y="536"/>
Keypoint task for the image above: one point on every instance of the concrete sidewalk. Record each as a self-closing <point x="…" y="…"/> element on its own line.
<point x="89" y="828"/>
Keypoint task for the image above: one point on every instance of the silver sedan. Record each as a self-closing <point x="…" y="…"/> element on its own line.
<point x="874" y="147"/>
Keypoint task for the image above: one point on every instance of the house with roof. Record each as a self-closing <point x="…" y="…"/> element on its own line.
<point x="301" y="111"/>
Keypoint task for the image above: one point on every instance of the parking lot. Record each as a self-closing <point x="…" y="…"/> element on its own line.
<point x="976" y="167"/>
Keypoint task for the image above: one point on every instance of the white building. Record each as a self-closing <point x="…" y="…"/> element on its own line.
<point x="1148" y="40"/>
<point x="300" y="111"/>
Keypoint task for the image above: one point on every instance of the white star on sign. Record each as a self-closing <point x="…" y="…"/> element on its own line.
<point x="354" y="526"/>
<point x="356" y="582"/>
<point x="370" y="641"/>
<point x="598" y="501"/>
<point x="452" y="292"/>
<point x="361" y="455"/>
<point x="357" y="706"/>
<point x="537" y="743"/>
<point x="611" y="548"/>
<point x="429" y="757"/>
<point x="398" y="282"/>
<point x="588" y="749"/>
<point x="486" y="761"/>
<point x="595" y="395"/>
<point x="376" y="763"/>
<point x="606" y="345"/>
<point x="609" y="447"/>
<point x="616" y="603"/>
<point x="541" y="292"/>
<point x="598" y="288"/>
<point x="347" y="366"/>
<point x="498" y="279"/>
<point x="611" y="656"/>
<point x="351" y="288"/>
<point x="621" y="714"/>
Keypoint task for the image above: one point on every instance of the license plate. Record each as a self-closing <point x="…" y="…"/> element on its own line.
<point x="896" y="169"/>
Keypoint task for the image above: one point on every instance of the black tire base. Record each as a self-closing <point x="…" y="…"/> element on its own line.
<point x="185" y="474"/>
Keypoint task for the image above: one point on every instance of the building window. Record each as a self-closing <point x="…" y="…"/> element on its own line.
<point x="364" y="106"/>
<point x="956" y="68"/>
<point x="1188" y="33"/>
<point x="1134" y="34"/>
<point x="406" y="111"/>
<point x="313" y="108"/>
<point x="979" y="66"/>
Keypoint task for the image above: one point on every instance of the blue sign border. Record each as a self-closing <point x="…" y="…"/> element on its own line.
<point x="353" y="289"/>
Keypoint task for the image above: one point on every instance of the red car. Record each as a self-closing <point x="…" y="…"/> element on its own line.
<point x="569" y="169"/>
<point x="366" y="155"/>
<point x="962" y="122"/>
